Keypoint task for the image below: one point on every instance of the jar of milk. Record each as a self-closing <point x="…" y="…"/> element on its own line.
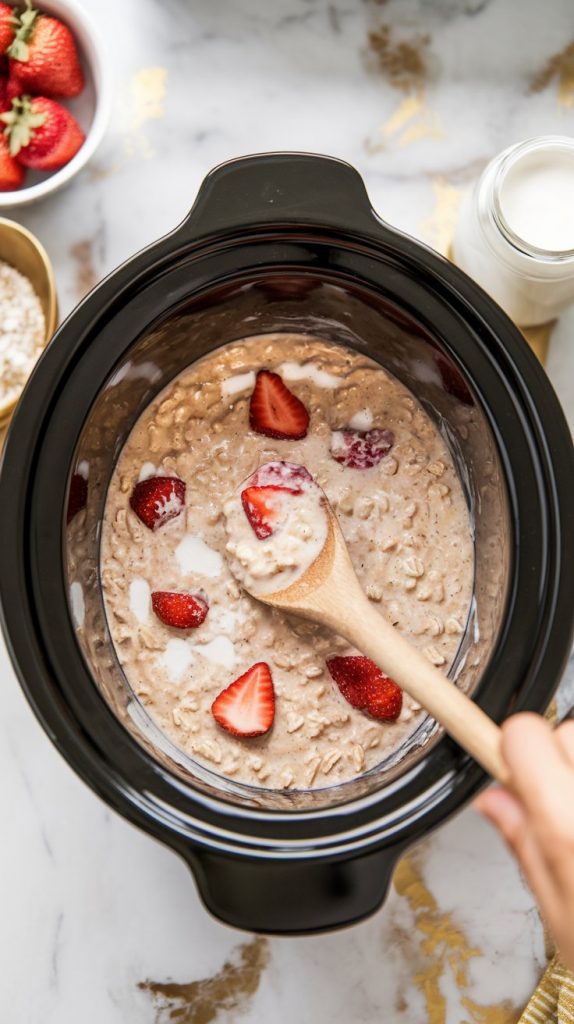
<point x="515" y="233"/>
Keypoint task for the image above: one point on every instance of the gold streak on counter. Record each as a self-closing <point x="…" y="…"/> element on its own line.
<point x="438" y="229"/>
<point x="441" y="945"/>
<point x="410" y="121"/>
<point x="404" y="63"/>
<point x="148" y="88"/>
<point x="539" y="340"/>
<point x="501" y="1013"/>
<point x="147" y="91"/>
<point x="560" y="68"/>
<point x="141" y="100"/>
<point x="201" y="1002"/>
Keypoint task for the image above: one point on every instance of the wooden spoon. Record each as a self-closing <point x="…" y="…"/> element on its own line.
<point x="328" y="592"/>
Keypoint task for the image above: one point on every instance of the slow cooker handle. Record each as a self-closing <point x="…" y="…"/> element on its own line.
<point x="279" y="189"/>
<point x="292" y="896"/>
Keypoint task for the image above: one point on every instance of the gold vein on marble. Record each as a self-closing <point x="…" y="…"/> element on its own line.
<point x="147" y="91"/>
<point x="86" y="273"/>
<point x="560" y="68"/>
<point x="229" y="990"/>
<point x="148" y="88"/>
<point x="141" y="100"/>
<point x="438" y="228"/>
<point x="410" y="121"/>
<point x="438" y="945"/>
<point x="405" y="63"/>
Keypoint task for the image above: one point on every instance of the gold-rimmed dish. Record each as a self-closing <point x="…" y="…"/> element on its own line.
<point x="22" y="250"/>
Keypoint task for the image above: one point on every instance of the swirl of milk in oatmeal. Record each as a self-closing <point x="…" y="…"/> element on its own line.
<point x="404" y="519"/>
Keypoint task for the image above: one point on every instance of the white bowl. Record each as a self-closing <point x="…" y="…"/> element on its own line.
<point x="91" y="108"/>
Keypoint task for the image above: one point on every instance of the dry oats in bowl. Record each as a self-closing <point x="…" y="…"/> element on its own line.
<point x="28" y="310"/>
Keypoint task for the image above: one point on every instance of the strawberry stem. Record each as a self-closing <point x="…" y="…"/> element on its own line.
<point x="24" y="22"/>
<point x="21" y="123"/>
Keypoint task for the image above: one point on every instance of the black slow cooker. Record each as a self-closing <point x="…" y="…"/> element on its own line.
<point x="284" y="243"/>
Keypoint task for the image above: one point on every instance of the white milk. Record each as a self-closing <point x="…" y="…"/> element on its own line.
<point x="235" y="385"/>
<point x="195" y="556"/>
<point x="515" y="233"/>
<point x="176" y="659"/>
<point x="220" y="651"/>
<point x="140" y="599"/>
<point x="537" y="199"/>
<point x="309" y="371"/>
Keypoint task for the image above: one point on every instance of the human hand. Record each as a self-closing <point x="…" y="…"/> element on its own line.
<point x="536" y="817"/>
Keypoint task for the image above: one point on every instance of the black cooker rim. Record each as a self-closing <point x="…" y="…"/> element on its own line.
<point x="459" y="777"/>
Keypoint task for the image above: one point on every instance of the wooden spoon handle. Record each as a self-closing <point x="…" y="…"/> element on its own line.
<point x="462" y="718"/>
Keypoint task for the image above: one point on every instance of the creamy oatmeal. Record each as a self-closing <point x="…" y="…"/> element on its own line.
<point x="389" y="476"/>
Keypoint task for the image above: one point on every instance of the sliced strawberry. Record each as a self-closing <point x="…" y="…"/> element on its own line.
<point x="247" y="707"/>
<point x="361" y="449"/>
<point x="77" y="496"/>
<point x="11" y="172"/>
<point x="275" y="411"/>
<point x="157" y="500"/>
<point x="182" y="611"/>
<point x="366" y="688"/>
<point x="259" y="500"/>
<point x="260" y="507"/>
<point x="286" y="475"/>
<point x="452" y="379"/>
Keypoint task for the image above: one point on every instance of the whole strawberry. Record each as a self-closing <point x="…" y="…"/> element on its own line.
<point x="43" y="56"/>
<point x="7" y="26"/>
<point x="8" y="92"/>
<point x="11" y="172"/>
<point x="42" y="134"/>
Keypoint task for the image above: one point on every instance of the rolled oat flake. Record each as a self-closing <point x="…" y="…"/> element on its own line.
<point x="22" y="332"/>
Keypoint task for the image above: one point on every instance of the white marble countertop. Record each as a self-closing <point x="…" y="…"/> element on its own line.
<point x="91" y="908"/>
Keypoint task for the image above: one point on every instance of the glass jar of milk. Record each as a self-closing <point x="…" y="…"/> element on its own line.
<point x="515" y="233"/>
